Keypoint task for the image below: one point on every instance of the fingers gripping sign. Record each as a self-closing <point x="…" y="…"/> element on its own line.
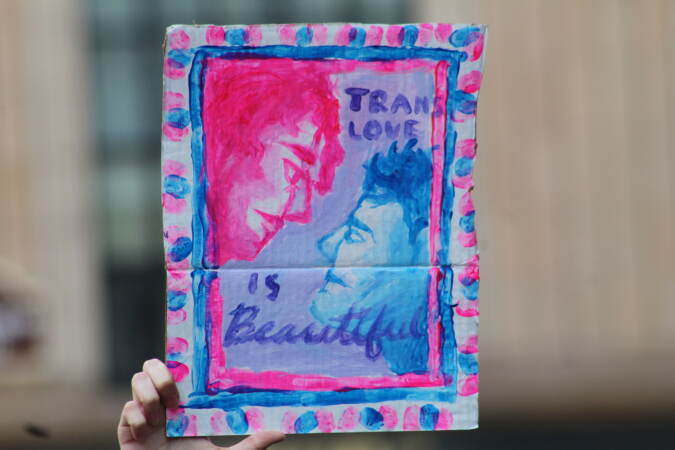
<point x="141" y="425"/>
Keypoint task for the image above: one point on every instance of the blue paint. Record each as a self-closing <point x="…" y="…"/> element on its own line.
<point x="177" y="117"/>
<point x="428" y="417"/>
<point x="176" y="186"/>
<point x="181" y="58"/>
<point x="402" y="177"/>
<point x="180" y="249"/>
<point x="227" y="400"/>
<point x="253" y="283"/>
<point x="468" y="363"/>
<point x="357" y="37"/>
<point x="463" y="166"/>
<point x="466" y="223"/>
<point x="236" y="36"/>
<point x="200" y="221"/>
<point x="464" y="36"/>
<point x="470" y="291"/>
<point x="200" y="365"/>
<point x="176" y="300"/>
<point x="371" y="419"/>
<point x="199" y="216"/>
<point x="236" y="420"/>
<point x="273" y="286"/>
<point x="465" y="102"/>
<point x="410" y="34"/>
<point x="303" y="36"/>
<point x="306" y="422"/>
<point x="176" y="427"/>
<point x="174" y="356"/>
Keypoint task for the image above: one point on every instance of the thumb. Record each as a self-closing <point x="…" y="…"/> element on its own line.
<point x="259" y="441"/>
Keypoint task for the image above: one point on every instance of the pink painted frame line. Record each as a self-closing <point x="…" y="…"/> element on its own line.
<point x="221" y="378"/>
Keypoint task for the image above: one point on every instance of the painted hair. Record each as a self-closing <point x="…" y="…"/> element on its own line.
<point x="403" y="177"/>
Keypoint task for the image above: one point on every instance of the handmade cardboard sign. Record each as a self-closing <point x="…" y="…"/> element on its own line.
<point x="322" y="270"/>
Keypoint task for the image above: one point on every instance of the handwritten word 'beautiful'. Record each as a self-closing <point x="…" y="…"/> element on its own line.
<point x="243" y="328"/>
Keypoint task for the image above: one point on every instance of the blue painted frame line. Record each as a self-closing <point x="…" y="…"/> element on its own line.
<point x="202" y="273"/>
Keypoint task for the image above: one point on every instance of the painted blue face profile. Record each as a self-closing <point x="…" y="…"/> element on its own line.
<point x="380" y="258"/>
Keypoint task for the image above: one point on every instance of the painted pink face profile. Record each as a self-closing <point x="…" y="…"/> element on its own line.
<point x="271" y="141"/>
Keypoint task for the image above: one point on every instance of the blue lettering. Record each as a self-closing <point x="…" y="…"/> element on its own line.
<point x="356" y="94"/>
<point x="373" y="130"/>
<point x="376" y="101"/>
<point x="409" y="130"/>
<point x="241" y="326"/>
<point x="352" y="132"/>
<point x="401" y="102"/>
<point x="273" y="286"/>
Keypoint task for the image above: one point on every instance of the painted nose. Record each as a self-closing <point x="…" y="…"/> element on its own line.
<point x="330" y="243"/>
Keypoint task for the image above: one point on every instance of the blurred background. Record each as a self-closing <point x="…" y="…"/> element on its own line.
<point x="575" y="198"/>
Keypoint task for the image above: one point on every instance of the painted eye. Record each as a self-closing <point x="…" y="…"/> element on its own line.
<point x="354" y="236"/>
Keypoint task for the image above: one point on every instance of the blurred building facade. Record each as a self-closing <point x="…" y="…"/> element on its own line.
<point x="575" y="202"/>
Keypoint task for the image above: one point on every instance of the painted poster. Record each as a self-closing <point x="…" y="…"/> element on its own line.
<point x="322" y="270"/>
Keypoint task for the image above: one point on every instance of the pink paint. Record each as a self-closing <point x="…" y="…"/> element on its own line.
<point x="172" y="100"/>
<point x="173" y="232"/>
<point x="178" y="370"/>
<point x="466" y="239"/>
<point x="466" y="148"/>
<point x="342" y="36"/>
<point x="319" y="34"/>
<point x="349" y="419"/>
<point x="437" y="160"/>
<point x="255" y="419"/>
<point x="175" y="317"/>
<point x="288" y="422"/>
<point x="172" y="204"/>
<point x="411" y="418"/>
<point x="445" y="420"/>
<point x="191" y="429"/>
<point x="443" y="32"/>
<point x="470" y="82"/>
<point x="274" y="379"/>
<point x="468" y="386"/>
<point x="215" y="35"/>
<point x="177" y="280"/>
<point x="466" y="204"/>
<point x="214" y="320"/>
<point x="470" y="273"/>
<point x="287" y="34"/>
<point x="464" y="182"/>
<point x="389" y="417"/>
<point x="176" y="345"/>
<point x="325" y="421"/>
<point x="219" y="422"/>
<point x="279" y="98"/>
<point x="174" y="134"/>
<point x="470" y="345"/>
<point x="179" y="40"/>
<point x="395" y="35"/>
<point x="172" y="71"/>
<point x="174" y="413"/>
<point x="466" y="312"/>
<point x="475" y="49"/>
<point x="434" y="326"/>
<point x="254" y="35"/>
<point x="374" y="35"/>
<point x="173" y="167"/>
<point x="425" y="33"/>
